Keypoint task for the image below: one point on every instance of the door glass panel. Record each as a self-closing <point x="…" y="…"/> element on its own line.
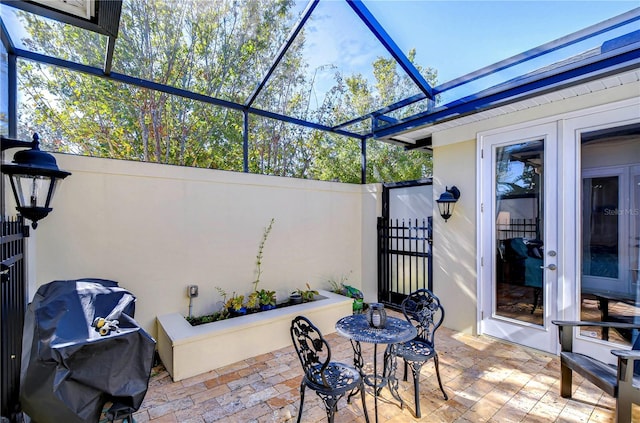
<point x="610" y="234"/>
<point x="518" y="232"/>
<point x="600" y="227"/>
<point x="635" y="232"/>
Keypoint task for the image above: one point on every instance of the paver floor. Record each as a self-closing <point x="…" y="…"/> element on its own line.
<point x="487" y="380"/>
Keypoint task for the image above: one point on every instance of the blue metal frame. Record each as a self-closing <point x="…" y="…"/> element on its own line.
<point x="382" y="125"/>
<point x="143" y="83"/>
<point x="283" y="50"/>
<point x="245" y="141"/>
<point x="5" y="38"/>
<point x="602" y="27"/>
<point x="395" y="51"/>
<point x="518" y="90"/>
<point x="12" y="82"/>
<point x="363" y="160"/>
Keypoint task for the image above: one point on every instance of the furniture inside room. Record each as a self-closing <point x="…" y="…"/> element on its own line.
<point x="520" y="262"/>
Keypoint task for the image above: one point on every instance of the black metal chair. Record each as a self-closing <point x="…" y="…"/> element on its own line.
<point x="423" y="310"/>
<point x="331" y="380"/>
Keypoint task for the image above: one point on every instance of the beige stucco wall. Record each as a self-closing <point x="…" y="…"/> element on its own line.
<point x="454" y="241"/>
<point x="156" y="229"/>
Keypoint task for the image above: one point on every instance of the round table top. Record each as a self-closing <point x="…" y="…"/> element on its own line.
<point x="357" y="328"/>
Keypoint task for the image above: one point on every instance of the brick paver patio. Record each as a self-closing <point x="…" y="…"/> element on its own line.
<point x="487" y="381"/>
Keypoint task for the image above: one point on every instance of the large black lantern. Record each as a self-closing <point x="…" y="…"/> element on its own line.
<point x="447" y="202"/>
<point x="34" y="175"/>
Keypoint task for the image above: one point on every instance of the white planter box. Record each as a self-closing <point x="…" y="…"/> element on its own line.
<point x="188" y="350"/>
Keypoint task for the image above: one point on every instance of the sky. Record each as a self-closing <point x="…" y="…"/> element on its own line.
<point x="458" y="37"/>
<point x="454" y="37"/>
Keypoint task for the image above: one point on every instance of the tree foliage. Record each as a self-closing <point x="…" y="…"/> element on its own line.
<point x="221" y="50"/>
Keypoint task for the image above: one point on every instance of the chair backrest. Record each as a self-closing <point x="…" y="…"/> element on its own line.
<point x="424" y="311"/>
<point x="312" y="349"/>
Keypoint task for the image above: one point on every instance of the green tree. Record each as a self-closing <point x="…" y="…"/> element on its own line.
<point x="220" y="49"/>
<point x="204" y="47"/>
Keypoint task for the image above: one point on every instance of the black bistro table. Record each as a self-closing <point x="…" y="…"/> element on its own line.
<point x="357" y="329"/>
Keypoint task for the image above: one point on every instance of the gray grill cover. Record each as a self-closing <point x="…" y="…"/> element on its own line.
<point x="69" y="371"/>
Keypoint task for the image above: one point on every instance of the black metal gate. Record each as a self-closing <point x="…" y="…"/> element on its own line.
<point x="14" y="302"/>
<point x="405" y="260"/>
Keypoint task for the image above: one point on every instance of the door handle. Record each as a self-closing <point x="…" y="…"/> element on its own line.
<point x="550" y="267"/>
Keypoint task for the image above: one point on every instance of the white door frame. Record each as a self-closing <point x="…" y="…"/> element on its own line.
<point x="543" y="337"/>
<point x="603" y="117"/>
<point x="565" y="300"/>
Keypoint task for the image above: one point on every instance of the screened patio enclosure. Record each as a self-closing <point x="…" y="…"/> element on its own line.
<point x="229" y="75"/>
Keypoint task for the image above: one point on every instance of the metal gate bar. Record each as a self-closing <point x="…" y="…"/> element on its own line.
<point x="13" y="307"/>
<point x="404" y="258"/>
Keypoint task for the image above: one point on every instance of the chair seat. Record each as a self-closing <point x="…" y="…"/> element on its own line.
<point x="604" y="376"/>
<point x="415" y="350"/>
<point x="340" y="378"/>
<point x="331" y="380"/>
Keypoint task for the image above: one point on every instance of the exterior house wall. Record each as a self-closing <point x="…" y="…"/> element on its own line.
<point x="455" y="158"/>
<point x="454" y="241"/>
<point x="157" y="229"/>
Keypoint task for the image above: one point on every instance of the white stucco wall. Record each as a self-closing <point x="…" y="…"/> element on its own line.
<point x="156" y="229"/>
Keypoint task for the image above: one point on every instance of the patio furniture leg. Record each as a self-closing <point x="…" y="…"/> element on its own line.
<point x="415" y="369"/>
<point x="364" y="403"/>
<point x="302" y="389"/>
<point x="435" y="360"/>
<point x="330" y="405"/>
<point x="565" y="381"/>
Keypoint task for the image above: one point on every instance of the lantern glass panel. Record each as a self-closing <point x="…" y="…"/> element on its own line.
<point x="34" y="191"/>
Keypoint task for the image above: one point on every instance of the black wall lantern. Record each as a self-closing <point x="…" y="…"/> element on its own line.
<point x="447" y="201"/>
<point x="34" y="175"/>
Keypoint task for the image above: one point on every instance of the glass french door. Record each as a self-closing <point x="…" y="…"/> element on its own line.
<point x="519" y="237"/>
<point x="610" y="232"/>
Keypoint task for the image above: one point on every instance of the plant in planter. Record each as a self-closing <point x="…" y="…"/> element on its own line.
<point x="265" y="235"/>
<point x="308" y="294"/>
<point x="339" y="287"/>
<point x="253" y="301"/>
<point x="267" y="299"/>
<point x="235" y="305"/>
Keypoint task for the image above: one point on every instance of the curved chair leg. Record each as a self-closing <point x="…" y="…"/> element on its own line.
<point x="404" y="378"/>
<point x="364" y="403"/>
<point x="435" y="360"/>
<point x="302" y="387"/>
<point x="330" y="404"/>
<point x="415" y="369"/>
<point x="331" y="412"/>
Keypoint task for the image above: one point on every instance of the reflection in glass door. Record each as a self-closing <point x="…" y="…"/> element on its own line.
<point x="610" y="232"/>
<point x="518" y="289"/>
<point x="519" y="238"/>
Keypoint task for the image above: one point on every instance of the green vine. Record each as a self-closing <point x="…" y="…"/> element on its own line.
<point x="265" y="235"/>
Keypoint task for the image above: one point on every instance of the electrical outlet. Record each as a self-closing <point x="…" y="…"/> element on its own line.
<point x="192" y="291"/>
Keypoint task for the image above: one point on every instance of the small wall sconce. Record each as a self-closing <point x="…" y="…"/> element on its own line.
<point x="34" y="176"/>
<point x="447" y="201"/>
